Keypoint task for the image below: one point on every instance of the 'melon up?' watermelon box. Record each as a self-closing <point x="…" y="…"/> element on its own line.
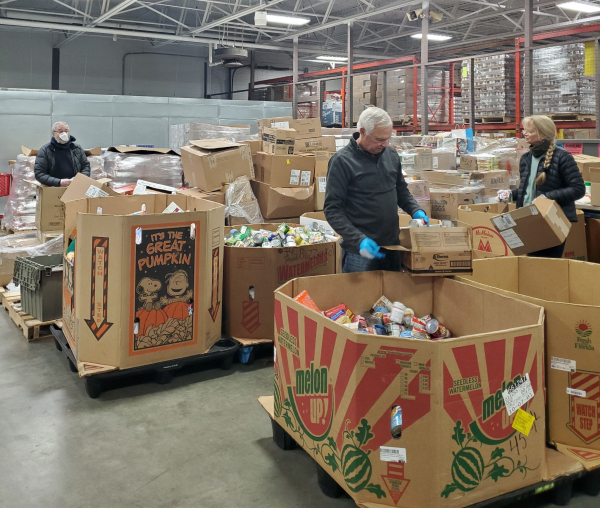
<point x="335" y="388"/>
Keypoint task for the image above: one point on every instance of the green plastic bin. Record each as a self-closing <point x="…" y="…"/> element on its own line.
<point x="40" y="278"/>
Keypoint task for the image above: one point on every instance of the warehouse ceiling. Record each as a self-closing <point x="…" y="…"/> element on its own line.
<point x="380" y="28"/>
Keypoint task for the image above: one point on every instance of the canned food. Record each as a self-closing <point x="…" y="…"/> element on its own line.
<point x="380" y="330"/>
<point x="266" y="245"/>
<point x="290" y="241"/>
<point x="276" y="242"/>
<point x="258" y="238"/>
<point x="417" y="223"/>
<point x="396" y="426"/>
<point x="407" y="318"/>
<point x="437" y="330"/>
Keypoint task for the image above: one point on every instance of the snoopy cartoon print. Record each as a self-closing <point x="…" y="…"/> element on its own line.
<point x="147" y="290"/>
<point x="177" y="303"/>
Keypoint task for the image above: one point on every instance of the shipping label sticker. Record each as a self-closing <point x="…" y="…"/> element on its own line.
<point x="280" y="125"/>
<point x="305" y="179"/>
<point x="295" y="177"/>
<point x="504" y="222"/>
<point x="523" y="422"/>
<point x="322" y="183"/>
<point x="96" y="192"/>
<point x="563" y="364"/>
<point x="518" y="394"/>
<point x="163" y="288"/>
<point x="390" y="454"/>
<point x="511" y="238"/>
<point x="533" y="210"/>
<point x="435" y="163"/>
<point x="577" y="393"/>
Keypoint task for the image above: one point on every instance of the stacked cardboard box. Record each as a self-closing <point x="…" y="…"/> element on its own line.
<point x="364" y="91"/>
<point x="585" y="163"/>
<point x="495" y="88"/>
<point x="181" y="134"/>
<point x="400" y="94"/>
<point x="559" y="81"/>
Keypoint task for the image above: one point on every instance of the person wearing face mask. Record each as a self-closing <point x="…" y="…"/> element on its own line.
<point x="59" y="161"/>
<point x="548" y="171"/>
<point x="365" y="187"/>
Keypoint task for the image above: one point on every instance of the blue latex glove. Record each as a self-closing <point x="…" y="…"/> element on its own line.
<point x="370" y="250"/>
<point x="421" y="215"/>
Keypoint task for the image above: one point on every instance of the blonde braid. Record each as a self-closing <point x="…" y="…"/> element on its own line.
<point x="541" y="180"/>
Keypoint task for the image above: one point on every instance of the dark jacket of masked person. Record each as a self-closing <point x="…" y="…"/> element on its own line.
<point x="56" y="161"/>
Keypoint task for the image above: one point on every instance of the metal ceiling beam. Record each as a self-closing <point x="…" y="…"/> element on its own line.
<point x="232" y="17"/>
<point x="164" y="15"/>
<point x="381" y="10"/>
<point x="327" y="12"/>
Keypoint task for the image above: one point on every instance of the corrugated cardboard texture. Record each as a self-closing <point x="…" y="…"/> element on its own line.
<point x="277" y="202"/>
<point x="568" y="290"/>
<point x="264" y="270"/>
<point x="291" y="171"/>
<point x="335" y="389"/>
<point x="155" y="276"/>
<point x="445" y="202"/>
<point x="278" y="141"/>
<point x="49" y="213"/>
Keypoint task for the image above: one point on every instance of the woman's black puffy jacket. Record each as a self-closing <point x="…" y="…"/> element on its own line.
<point x="564" y="183"/>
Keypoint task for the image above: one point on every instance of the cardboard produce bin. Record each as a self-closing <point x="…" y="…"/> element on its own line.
<point x="143" y="288"/>
<point x="539" y="226"/>
<point x="209" y="163"/>
<point x="568" y="290"/>
<point x="277" y="202"/>
<point x="278" y="141"/>
<point x="285" y="170"/>
<point x="334" y="391"/>
<point x="251" y="275"/>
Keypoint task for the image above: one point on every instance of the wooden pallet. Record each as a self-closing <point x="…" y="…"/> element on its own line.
<point x="32" y="328"/>
<point x="567" y="117"/>
<point x="497" y="119"/>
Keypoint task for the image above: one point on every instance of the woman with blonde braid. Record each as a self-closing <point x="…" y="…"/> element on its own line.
<point x="548" y="171"/>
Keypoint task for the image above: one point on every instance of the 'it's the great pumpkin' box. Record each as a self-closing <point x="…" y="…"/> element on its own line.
<point x="472" y="407"/>
<point x="142" y="282"/>
<point x="569" y="292"/>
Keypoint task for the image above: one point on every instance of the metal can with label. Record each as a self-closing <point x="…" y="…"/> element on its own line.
<point x="290" y="241"/>
<point x="276" y="242"/>
<point x="407" y="318"/>
<point x="396" y="424"/>
<point x="417" y="223"/>
<point x="258" y="238"/>
<point x="266" y="245"/>
<point x="437" y="330"/>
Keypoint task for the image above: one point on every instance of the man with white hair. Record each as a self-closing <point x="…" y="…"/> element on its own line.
<point x="59" y="161"/>
<point x="365" y="187"/>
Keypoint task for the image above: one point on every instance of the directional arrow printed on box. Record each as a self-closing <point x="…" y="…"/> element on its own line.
<point x="98" y="322"/>
<point x="394" y="481"/>
<point x="215" y="304"/>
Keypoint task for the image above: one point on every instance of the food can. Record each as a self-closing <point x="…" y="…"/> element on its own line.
<point x="407" y="318"/>
<point x="290" y="241"/>
<point x="258" y="238"/>
<point x="396" y="423"/>
<point x="417" y="223"/>
<point x="266" y="245"/>
<point x="276" y="243"/>
<point x="437" y="330"/>
<point x="380" y="330"/>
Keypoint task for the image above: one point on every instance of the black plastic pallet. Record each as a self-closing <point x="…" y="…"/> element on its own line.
<point x="221" y="354"/>
<point x="559" y="491"/>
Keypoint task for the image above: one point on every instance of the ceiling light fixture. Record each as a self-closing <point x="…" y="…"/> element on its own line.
<point x="287" y="20"/>
<point x="333" y="58"/>
<point x="579" y="7"/>
<point x="433" y="37"/>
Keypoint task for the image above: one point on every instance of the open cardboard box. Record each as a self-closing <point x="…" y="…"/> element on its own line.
<point x="337" y="387"/>
<point x="569" y="292"/>
<point x="144" y="287"/>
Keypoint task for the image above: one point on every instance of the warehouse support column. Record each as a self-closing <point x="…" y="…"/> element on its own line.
<point x="55" y="68"/>
<point x="295" y="80"/>
<point x="424" y="62"/>
<point x="597" y="74"/>
<point x="472" y="94"/>
<point x="321" y="85"/>
<point x="528" y="59"/>
<point x="350" y="80"/>
<point x="252" y="69"/>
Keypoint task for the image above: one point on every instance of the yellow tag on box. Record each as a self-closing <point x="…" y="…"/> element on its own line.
<point x="523" y="421"/>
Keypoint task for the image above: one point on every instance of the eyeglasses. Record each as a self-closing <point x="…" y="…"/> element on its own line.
<point x="60" y="131"/>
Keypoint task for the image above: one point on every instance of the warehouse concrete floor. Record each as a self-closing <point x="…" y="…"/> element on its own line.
<point x="201" y="441"/>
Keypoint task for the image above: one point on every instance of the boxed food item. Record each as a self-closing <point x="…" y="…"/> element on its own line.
<point x="443" y="159"/>
<point x="454" y="395"/>
<point x="532" y="228"/>
<point x="251" y="275"/>
<point x="209" y="163"/>
<point x="285" y="170"/>
<point x="141" y="285"/>
<point x="281" y="122"/>
<point x="278" y="202"/>
<point x="278" y="141"/>
<point x="306" y="127"/>
<point x="567" y="290"/>
<point x="479" y="162"/>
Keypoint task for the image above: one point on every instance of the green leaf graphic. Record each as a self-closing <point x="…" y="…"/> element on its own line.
<point x="497" y="453"/>
<point x="332" y="461"/>
<point x="377" y="490"/>
<point x="459" y="434"/>
<point x="288" y="420"/>
<point x="451" y="487"/>
<point x="364" y="432"/>
<point x="331" y="443"/>
<point x="498" y="471"/>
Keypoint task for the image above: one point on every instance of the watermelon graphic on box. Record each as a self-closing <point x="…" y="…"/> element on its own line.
<point x="334" y="390"/>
